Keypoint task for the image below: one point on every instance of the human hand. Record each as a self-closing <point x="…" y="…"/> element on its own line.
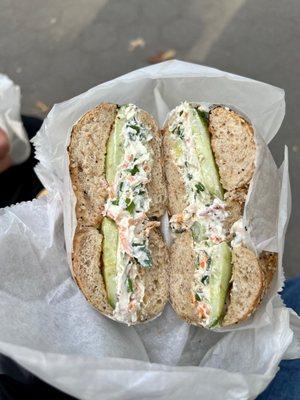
<point x="5" y="160"/>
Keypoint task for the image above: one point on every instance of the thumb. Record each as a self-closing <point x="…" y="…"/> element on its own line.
<point x="5" y="160"/>
<point x="4" y="144"/>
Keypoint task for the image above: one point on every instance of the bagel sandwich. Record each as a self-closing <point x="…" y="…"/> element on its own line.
<point x="209" y="161"/>
<point x="119" y="259"/>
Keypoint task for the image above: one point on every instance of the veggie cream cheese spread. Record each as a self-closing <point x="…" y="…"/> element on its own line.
<point x="127" y="205"/>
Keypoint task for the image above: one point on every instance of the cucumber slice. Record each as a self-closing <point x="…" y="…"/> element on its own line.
<point x="114" y="151"/>
<point x="114" y="157"/>
<point x="208" y="169"/>
<point x="198" y="232"/>
<point x="176" y="148"/>
<point x="110" y="248"/>
<point x="219" y="280"/>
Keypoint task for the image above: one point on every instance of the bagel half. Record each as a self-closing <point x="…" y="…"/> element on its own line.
<point x="209" y="161"/>
<point x="119" y="259"/>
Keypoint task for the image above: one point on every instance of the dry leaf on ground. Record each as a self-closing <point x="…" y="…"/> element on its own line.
<point x="135" y="43"/>
<point x="162" y="56"/>
<point x="42" y="106"/>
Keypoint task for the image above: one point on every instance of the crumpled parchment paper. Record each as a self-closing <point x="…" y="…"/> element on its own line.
<point x="49" y="328"/>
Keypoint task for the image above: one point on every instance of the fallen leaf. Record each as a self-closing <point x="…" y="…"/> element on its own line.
<point x="135" y="43"/>
<point x="162" y="56"/>
<point x="42" y="106"/>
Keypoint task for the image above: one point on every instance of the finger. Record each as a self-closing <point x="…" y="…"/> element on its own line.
<point x="5" y="163"/>
<point x="4" y="144"/>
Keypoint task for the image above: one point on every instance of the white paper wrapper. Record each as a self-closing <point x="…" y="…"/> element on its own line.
<point x="10" y="120"/>
<point x="48" y="327"/>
